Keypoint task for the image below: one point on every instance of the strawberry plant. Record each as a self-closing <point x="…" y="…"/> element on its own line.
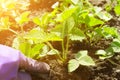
<point x="64" y="26"/>
<point x="70" y="20"/>
<point x="76" y="38"/>
<point x="81" y="58"/>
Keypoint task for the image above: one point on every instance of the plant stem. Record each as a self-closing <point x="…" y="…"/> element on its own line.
<point x="63" y="49"/>
<point x="13" y="31"/>
<point x="63" y="42"/>
<point x="113" y="62"/>
<point x="53" y="49"/>
<point x="87" y="1"/>
<point x="49" y="45"/>
<point x="67" y="46"/>
<point x="22" y="30"/>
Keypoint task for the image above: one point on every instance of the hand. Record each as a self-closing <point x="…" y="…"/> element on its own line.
<point x="32" y="65"/>
<point x="11" y="60"/>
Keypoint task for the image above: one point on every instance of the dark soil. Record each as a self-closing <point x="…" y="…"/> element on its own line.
<point x="108" y="69"/>
<point x="59" y="71"/>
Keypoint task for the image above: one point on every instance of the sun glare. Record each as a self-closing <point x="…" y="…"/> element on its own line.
<point x="10" y="10"/>
<point x="12" y="7"/>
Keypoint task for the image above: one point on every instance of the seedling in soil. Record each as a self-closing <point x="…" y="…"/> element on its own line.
<point x="70" y="20"/>
<point x="81" y="58"/>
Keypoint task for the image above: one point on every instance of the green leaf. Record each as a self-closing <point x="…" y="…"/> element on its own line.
<point x="67" y="26"/>
<point x="23" y="18"/>
<point x="57" y="28"/>
<point x="75" y="1"/>
<point x="103" y="57"/>
<point x="77" y="35"/>
<point x="66" y="14"/>
<point x="4" y="23"/>
<point x="104" y="15"/>
<point x="25" y="48"/>
<point x="55" y="5"/>
<point x="92" y="21"/>
<point x="87" y="61"/>
<point x="97" y="9"/>
<point x="117" y="10"/>
<point x="35" y="50"/>
<point x="115" y="45"/>
<point x="108" y="7"/>
<point x="15" y="43"/>
<point x="80" y="54"/>
<point x="101" y="52"/>
<point x="82" y="16"/>
<point x="39" y="36"/>
<point x="116" y="42"/>
<point x="36" y="20"/>
<point x="84" y="59"/>
<point x="97" y="34"/>
<point x="109" y="50"/>
<point x="109" y="32"/>
<point x="70" y="24"/>
<point x="73" y="64"/>
<point x="53" y="52"/>
<point x="116" y="49"/>
<point x="44" y="20"/>
<point x="44" y="51"/>
<point x="109" y="54"/>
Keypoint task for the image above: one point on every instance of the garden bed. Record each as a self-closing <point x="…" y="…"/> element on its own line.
<point x="104" y="69"/>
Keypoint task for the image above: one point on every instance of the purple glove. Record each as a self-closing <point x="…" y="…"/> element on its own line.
<point x="11" y="60"/>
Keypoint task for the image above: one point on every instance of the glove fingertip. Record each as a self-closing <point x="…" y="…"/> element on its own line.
<point x="47" y="67"/>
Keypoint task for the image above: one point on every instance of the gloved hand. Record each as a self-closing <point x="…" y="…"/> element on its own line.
<point x="11" y="60"/>
<point x="32" y="65"/>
